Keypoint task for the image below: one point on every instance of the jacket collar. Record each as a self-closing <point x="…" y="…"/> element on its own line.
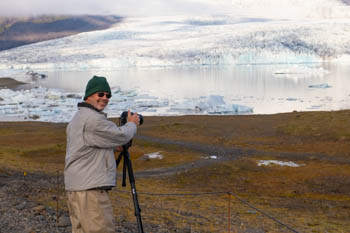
<point x="86" y="105"/>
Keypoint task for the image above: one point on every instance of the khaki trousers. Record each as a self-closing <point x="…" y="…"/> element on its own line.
<point x="91" y="211"/>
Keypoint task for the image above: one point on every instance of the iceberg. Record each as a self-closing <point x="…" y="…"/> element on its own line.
<point x="213" y="104"/>
<point x="301" y="71"/>
<point x="323" y="85"/>
<point x="57" y="105"/>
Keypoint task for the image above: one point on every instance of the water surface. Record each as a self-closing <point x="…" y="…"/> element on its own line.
<point x="265" y="88"/>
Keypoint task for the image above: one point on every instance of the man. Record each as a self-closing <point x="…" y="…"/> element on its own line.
<point x="90" y="169"/>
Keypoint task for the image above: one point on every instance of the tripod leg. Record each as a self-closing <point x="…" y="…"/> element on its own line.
<point x="133" y="191"/>
<point x="124" y="168"/>
<point x="117" y="161"/>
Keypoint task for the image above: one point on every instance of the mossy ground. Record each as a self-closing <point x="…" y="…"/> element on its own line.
<point x="313" y="197"/>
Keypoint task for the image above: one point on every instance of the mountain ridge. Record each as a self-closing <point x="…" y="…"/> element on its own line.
<point x="15" y="32"/>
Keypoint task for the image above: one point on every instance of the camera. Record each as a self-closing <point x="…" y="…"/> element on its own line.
<point x="124" y="118"/>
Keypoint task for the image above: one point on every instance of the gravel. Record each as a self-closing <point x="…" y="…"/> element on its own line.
<point x="20" y="214"/>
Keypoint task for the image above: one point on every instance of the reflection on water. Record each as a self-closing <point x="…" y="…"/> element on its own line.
<point x="255" y="86"/>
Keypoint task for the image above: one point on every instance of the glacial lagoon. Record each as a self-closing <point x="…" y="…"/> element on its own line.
<point x="239" y="89"/>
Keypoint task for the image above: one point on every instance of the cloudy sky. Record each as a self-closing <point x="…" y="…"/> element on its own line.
<point x="164" y="7"/>
<point x="119" y="7"/>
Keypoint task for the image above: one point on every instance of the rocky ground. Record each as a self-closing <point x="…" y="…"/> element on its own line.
<point x="19" y="213"/>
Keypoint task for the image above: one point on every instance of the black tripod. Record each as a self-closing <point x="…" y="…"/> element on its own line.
<point x="127" y="165"/>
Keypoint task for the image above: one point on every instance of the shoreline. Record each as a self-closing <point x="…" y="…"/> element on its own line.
<point x="9" y="119"/>
<point x="10" y="83"/>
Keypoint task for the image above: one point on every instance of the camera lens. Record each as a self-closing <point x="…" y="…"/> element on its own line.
<point x="124" y="118"/>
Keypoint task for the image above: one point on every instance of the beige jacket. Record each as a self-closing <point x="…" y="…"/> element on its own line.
<point x="91" y="140"/>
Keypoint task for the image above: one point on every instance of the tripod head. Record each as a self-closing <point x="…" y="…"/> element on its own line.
<point x="127" y="145"/>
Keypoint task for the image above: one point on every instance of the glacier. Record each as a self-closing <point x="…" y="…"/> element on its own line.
<point x="156" y="42"/>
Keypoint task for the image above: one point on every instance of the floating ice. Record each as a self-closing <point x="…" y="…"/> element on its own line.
<point x="237" y="108"/>
<point x="324" y="85"/>
<point x="280" y="163"/>
<point x="212" y="104"/>
<point x="56" y="105"/>
<point x="301" y="71"/>
<point x="215" y="100"/>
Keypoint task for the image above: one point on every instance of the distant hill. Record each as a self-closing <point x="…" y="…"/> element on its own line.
<point x="16" y="32"/>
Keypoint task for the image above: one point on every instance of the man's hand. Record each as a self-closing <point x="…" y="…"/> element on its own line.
<point x="118" y="149"/>
<point x="133" y="118"/>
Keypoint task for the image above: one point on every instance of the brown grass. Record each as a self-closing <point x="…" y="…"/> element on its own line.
<point x="311" y="198"/>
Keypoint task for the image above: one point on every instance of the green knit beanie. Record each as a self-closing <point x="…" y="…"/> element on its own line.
<point x="96" y="84"/>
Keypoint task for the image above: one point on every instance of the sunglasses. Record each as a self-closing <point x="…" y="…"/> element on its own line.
<point x="101" y="94"/>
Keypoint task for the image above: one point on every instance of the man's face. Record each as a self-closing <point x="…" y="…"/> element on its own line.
<point x="98" y="100"/>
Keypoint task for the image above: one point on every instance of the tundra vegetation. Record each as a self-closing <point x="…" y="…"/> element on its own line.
<point x="313" y="197"/>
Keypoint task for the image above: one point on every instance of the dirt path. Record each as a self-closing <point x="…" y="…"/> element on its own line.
<point x="222" y="154"/>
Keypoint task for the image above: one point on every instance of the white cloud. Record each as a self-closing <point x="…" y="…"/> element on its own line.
<point x="25" y="7"/>
<point x="266" y="8"/>
<point x="118" y="7"/>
